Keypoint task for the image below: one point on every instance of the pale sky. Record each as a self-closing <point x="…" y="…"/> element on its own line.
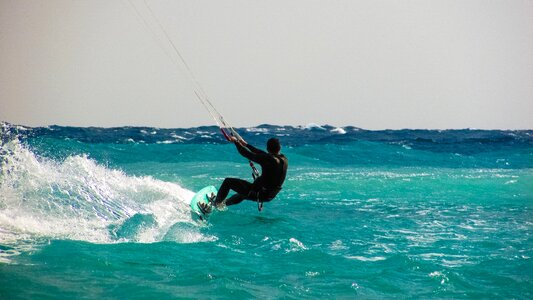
<point x="372" y="64"/>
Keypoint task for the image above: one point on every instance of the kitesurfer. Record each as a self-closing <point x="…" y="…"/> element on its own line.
<point x="266" y="186"/>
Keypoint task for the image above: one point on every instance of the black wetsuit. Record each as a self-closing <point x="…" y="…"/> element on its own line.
<point x="265" y="187"/>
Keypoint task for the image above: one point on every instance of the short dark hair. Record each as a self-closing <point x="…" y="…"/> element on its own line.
<point x="273" y="145"/>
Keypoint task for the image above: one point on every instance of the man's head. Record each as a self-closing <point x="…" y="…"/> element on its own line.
<point x="273" y="146"/>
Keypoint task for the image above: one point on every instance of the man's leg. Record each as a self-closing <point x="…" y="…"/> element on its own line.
<point x="235" y="199"/>
<point x="238" y="185"/>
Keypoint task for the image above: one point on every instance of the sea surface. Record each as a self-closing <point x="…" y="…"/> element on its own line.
<point x="103" y="213"/>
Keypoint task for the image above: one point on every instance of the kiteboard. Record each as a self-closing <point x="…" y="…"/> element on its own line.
<point x="202" y="196"/>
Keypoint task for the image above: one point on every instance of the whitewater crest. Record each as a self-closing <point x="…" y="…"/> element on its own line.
<point x="80" y="199"/>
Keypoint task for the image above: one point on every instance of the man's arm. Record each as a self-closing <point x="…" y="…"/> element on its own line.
<point x="253" y="149"/>
<point x="248" y="151"/>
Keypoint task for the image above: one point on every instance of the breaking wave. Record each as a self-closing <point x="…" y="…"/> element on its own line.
<point x="80" y="199"/>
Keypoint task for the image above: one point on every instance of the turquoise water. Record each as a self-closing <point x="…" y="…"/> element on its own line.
<point x="103" y="213"/>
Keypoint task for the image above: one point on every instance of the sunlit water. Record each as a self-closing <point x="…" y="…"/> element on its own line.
<point x="104" y="213"/>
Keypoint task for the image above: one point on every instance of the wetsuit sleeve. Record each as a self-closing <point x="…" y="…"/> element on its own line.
<point x="254" y="150"/>
<point x="255" y="157"/>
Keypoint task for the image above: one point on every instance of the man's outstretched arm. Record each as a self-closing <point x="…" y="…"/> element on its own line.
<point x="253" y="149"/>
<point x="248" y="151"/>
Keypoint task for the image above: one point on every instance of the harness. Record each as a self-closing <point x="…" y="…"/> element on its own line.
<point x="263" y="191"/>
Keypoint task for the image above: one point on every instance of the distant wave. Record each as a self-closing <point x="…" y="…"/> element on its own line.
<point x="463" y="141"/>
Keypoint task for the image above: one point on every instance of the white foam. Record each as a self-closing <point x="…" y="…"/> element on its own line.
<point x="79" y="199"/>
<point x="311" y="274"/>
<point x="258" y="130"/>
<point x="179" y="137"/>
<point x="338" y="245"/>
<point x="338" y="130"/>
<point x="439" y="275"/>
<point x="363" y="258"/>
<point x="314" y="126"/>
<point x="296" y="245"/>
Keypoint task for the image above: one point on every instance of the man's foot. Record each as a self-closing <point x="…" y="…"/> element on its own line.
<point x="220" y="206"/>
<point x="205" y="208"/>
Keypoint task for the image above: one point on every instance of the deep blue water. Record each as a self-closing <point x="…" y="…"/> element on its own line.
<point x="103" y="213"/>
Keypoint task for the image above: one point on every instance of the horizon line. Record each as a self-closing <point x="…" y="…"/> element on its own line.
<point x="306" y="126"/>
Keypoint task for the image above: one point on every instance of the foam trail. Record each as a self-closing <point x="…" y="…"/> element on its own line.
<point x="82" y="200"/>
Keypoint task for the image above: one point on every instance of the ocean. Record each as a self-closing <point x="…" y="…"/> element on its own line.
<point x="103" y="213"/>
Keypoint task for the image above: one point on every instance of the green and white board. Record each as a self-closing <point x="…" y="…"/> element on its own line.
<point x="202" y="197"/>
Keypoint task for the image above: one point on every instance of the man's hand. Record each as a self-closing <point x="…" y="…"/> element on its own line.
<point x="236" y="140"/>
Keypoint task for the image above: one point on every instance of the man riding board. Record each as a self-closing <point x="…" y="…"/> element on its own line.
<point x="266" y="186"/>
